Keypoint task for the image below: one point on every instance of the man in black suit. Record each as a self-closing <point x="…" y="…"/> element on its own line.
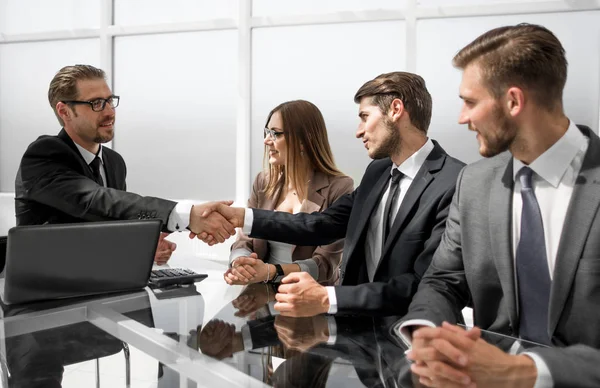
<point x="392" y="222"/>
<point x="71" y="177"/>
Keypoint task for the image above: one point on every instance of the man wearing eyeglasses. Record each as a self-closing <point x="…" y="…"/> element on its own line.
<point x="71" y="177"/>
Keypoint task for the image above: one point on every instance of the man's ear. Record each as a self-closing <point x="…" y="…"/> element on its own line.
<point x="63" y="111"/>
<point x="515" y="101"/>
<point x="396" y="109"/>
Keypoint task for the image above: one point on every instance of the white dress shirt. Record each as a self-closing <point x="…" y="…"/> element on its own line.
<point x="179" y="219"/>
<point x="555" y="173"/>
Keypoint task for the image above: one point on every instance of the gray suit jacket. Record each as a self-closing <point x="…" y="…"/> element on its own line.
<point x="474" y="265"/>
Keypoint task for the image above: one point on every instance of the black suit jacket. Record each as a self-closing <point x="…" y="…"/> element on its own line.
<point x="414" y="236"/>
<point x="54" y="184"/>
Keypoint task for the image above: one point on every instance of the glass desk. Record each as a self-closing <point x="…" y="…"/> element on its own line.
<point x="205" y="335"/>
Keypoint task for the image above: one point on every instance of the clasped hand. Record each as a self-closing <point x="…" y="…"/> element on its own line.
<point x="247" y="270"/>
<point x="215" y="221"/>
<point x="450" y="356"/>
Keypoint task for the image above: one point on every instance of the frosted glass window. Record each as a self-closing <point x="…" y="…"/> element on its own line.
<point x="26" y="70"/>
<point x="289" y="7"/>
<point x="135" y="12"/>
<point x="439" y="40"/>
<point x="442" y="3"/>
<point x="176" y="122"/>
<point x="324" y="64"/>
<point x="25" y="16"/>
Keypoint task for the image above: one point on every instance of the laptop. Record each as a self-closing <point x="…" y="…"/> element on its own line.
<point x="71" y="260"/>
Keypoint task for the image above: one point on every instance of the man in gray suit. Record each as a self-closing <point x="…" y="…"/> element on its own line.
<point x="521" y="243"/>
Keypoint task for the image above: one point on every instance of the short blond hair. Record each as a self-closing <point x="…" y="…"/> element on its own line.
<point x="63" y="86"/>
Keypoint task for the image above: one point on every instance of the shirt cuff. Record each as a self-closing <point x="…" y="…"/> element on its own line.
<point x="179" y="219"/>
<point x="403" y="331"/>
<point x="544" y="378"/>
<point x="271" y="307"/>
<point x="247" y="337"/>
<point x="310" y="266"/>
<point x="332" y="326"/>
<point x="332" y="300"/>
<point x="248" y="220"/>
<point x="240" y="252"/>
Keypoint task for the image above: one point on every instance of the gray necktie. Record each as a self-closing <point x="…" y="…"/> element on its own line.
<point x="95" y="165"/>
<point x="533" y="275"/>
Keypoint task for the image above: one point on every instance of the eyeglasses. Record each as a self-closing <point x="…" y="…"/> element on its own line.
<point x="272" y="133"/>
<point x="98" y="104"/>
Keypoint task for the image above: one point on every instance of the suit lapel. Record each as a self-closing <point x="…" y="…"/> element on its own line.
<point x="371" y="203"/>
<point x="578" y="220"/>
<point x="109" y="170"/>
<point x="500" y="218"/>
<point x="433" y="163"/>
<point x="314" y="200"/>
<point x="67" y="139"/>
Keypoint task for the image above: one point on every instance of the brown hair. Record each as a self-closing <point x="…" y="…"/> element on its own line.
<point x="526" y="55"/>
<point x="63" y="86"/>
<point x="408" y="87"/>
<point x="304" y="128"/>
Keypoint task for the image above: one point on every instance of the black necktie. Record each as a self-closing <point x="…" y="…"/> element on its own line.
<point x="533" y="275"/>
<point x="95" y="165"/>
<point x="390" y="202"/>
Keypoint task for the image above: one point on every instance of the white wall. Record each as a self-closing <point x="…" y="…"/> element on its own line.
<point x="198" y="77"/>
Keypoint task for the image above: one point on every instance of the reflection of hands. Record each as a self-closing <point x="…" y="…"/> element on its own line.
<point x="248" y="269"/>
<point x="216" y="339"/>
<point x="164" y="250"/>
<point x="252" y="298"/>
<point x="234" y="215"/>
<point x="302" y="333"/>
<point x="301" y="296"/>
<point x="450" y="356"/>
<point x="205" y="220"/>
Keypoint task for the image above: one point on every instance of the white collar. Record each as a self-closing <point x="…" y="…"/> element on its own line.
<point x="87" y="155"/>
<point x="411" y="166"/>
<point x="553" y="163"/>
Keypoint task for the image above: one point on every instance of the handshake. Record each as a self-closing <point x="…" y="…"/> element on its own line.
<point x="215" y="222"/>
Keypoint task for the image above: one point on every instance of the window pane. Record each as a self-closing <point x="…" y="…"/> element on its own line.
<point x="440" y="39"/>
<point x="288" y="7"/>
<point x="135" y="12"/>
<point x="25" y="16"/>
<point x="26" y="70"/>
<point x="324" y="64"/>
<point x="176" y="121"/>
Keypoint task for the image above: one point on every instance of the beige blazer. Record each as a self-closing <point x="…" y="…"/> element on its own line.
<point x="323" y="190"/>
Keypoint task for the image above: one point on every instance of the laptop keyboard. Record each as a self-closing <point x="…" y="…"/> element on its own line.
<point x="173" y="276"/>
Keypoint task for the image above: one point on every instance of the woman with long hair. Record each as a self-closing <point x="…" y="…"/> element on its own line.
<point x="300" y="176"/>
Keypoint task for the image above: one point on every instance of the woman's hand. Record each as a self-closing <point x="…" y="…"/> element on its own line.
<point x="248" y="270"/>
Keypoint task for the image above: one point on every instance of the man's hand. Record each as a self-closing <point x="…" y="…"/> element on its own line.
<point x="204" y="220"/>
<point x="216" y="339"/>
<point x="234" y="215"/>
<point x="456" y="357"/>
<point x="248" y="270"/>
<point x="252" y="298"/>
<point x="301" y="296"/>
<point x="302" y="333"/>
<point x="164" y="250"/>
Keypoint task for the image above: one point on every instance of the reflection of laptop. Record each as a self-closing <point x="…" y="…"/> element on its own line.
<point x="67" y="260"/>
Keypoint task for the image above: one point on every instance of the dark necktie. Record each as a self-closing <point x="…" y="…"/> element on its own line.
<point x="391" y="202"/>
<point x="533" y="275"/>
<point x="96" y="165"/>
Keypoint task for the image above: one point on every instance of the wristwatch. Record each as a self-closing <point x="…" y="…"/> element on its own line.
<point x="278" y="274"/>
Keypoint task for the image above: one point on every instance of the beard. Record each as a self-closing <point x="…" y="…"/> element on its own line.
<point x="101" y="139"/>
<point x="390" y="144"/>
<point x="503" y="135"/>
